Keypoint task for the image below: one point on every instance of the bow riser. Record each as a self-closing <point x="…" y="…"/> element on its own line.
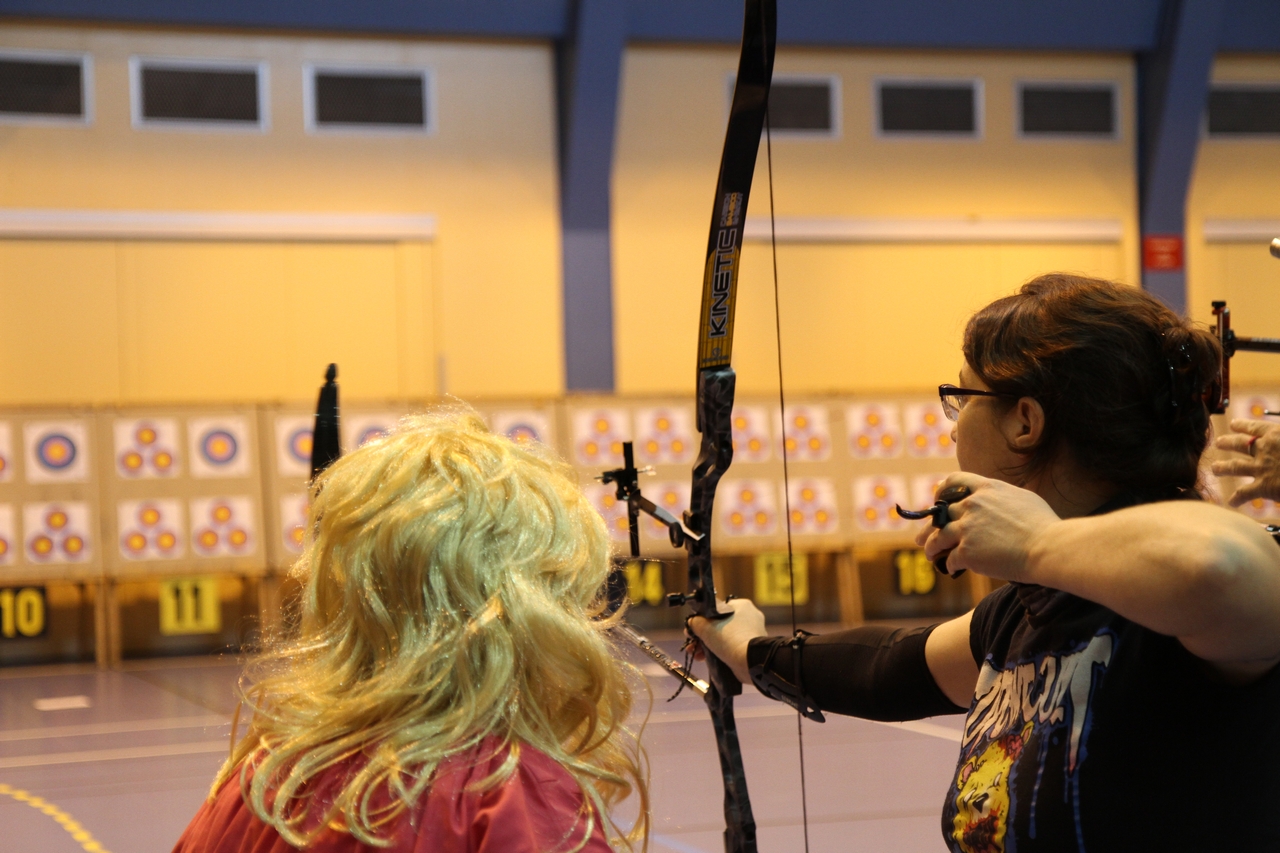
<point x="715" y="418"/>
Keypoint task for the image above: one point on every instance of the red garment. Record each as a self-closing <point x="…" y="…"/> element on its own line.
<point x="532" y="812"/>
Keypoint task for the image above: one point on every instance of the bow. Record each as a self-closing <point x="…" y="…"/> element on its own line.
<point x="1231" y="343"/>
<point x="716" y="384"/>
<point x="714" y="403"/>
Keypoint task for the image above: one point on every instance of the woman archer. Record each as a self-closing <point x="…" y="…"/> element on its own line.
<point x="1122" y="690"/>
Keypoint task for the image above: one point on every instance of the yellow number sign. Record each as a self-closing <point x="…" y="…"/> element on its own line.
<point x="22" y="612"/>
<point x="773" y="578"/>
<point x="644" y="582"/>
<point x="190" y="606"/>
<point x="916" y="575"/>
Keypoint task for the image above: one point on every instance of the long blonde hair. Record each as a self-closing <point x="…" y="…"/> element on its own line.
<point x="451" y="594"/>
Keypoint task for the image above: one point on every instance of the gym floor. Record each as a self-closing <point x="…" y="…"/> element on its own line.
<point x="119" y="761"/>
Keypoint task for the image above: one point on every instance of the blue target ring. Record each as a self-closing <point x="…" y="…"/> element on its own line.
<point x="523" y="433"/>
<point x="373" y="433"/>
<point x="219" y="447"/>
<point x="56" y="451"/>
<point x="300" y="445"/>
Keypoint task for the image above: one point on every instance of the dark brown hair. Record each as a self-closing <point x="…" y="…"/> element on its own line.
<point x="1124" y="381"/>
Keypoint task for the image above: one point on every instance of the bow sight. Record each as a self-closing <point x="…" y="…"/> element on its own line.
<point x="1233" y="343"/>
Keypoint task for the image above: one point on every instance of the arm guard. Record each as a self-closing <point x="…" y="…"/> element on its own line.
<point x="872" y="672"/>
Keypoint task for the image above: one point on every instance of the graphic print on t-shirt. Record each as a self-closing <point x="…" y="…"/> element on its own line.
<point x="1015" y="709"/>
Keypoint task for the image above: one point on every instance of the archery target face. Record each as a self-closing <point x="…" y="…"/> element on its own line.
<point x="151" y="529"/>
<point x="874" y="499"/>
<point x="220" y="447"/>
<point x="1252" y="406"/>
<point x="751" y="442"/>
<point x="223" y="527"/>
<point x="146" y="448"/>
<point x="523" y="426"/>
<point x="293" y="521"/>
<point x="6" y="452"/>
<point x="748" y="507"/>
<point x="1260" y="509"/>
<point x="613" y="511"/>
<point x="56" y="532"/>
<point x="813" y="506"/>
<point x="664" y="435"/>
<point x="598" y="434"/>
<point x="928" y="432"/>
<point x="358" y="430"/>
<point x="875" y="430"/>
<point x="293" y="445"/>
<point x="8" y="536"/>
<point x="807" y="436"/>
<point x="671" y="495"/>
<point x="56" y="451"/>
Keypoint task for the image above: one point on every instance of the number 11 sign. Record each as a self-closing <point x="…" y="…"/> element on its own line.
<point x="190" y="606"/>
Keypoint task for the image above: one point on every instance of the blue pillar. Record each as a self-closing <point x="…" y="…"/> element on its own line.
<point x="589" y="68"/>
<point x="1173" y="88"/>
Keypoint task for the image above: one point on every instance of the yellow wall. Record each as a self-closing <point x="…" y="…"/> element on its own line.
<point x="136" y="321"/>
<point x="1238" y="179"/>
<point x="146" y="321"/>
<point x="856" y="317"/>
<point x="142" y="321"/>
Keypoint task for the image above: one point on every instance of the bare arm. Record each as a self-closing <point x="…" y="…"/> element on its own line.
<point x="1203" y="574"/>
<point x="951" y="661"/>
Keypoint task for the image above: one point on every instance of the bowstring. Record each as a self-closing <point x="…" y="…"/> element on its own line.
<point x="786" y="479"/>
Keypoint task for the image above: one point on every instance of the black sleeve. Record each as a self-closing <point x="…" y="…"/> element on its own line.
<point x="872" y="672"/>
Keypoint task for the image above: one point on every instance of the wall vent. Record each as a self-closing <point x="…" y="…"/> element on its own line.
<point x="944" y="108"/>
<point x="42" y="88"/>
<point x="168" y="93"/>
<point x="1244" y="111"/>
<point x="368" y="99"/>
<point x="1067" y="109"/>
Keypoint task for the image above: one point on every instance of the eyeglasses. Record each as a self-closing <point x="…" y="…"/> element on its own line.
<point x="954" y="399"/>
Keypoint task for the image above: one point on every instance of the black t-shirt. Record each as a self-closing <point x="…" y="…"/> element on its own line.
<point x="1091" y="733"/>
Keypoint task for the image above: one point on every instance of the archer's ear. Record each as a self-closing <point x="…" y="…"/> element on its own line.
<point x="1024" y="424"/>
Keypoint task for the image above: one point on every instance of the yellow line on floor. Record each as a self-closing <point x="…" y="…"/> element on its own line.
<point x="77" y="832"/>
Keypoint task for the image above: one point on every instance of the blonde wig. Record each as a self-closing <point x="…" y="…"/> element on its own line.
<point x="451" y="593"/>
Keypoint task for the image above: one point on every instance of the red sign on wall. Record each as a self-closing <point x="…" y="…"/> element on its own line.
<point x="1162" y="252"/>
